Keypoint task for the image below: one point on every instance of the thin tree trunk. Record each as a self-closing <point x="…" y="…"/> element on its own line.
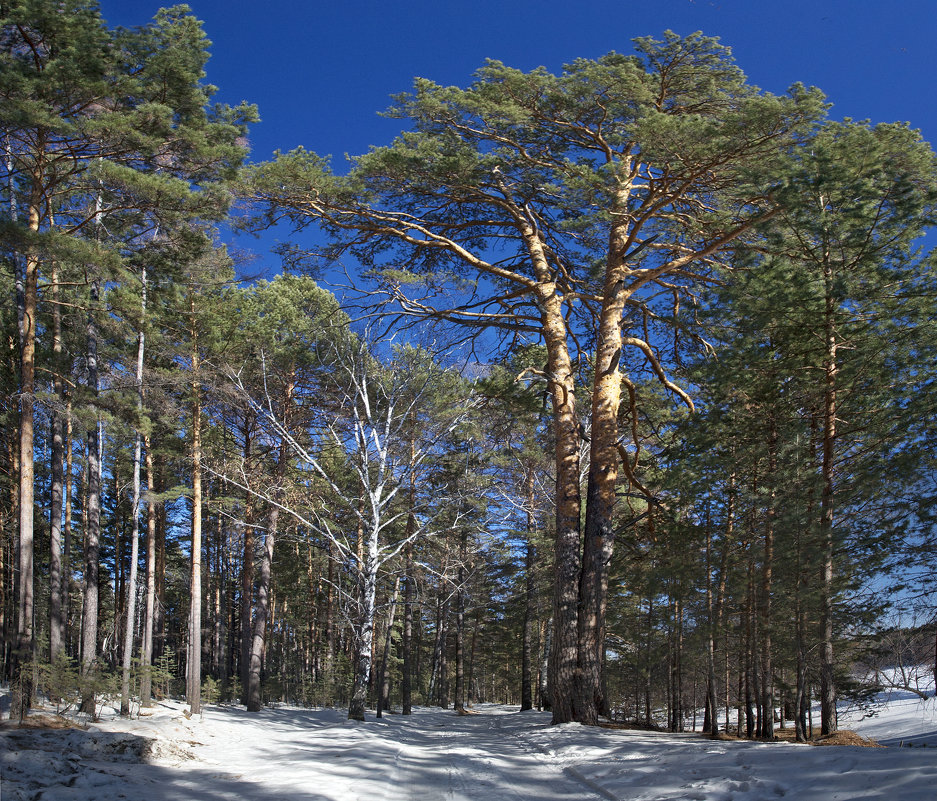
<point x="527" y="646"/>
<point x="406" y="643"/>
<point x="135" y="513"/>
<point x="406" y="677"/>
<point x="247" y="578"/>
<point x="330" y="628"/>
<point x="67" y="531"/>
<point x="194" y="654"/>
<point x="57" y="470"/>
<point x="218" y="661"/>
<point x="648" y="713"/>
<point x="94" y="457"/>
<point x="828" y="721"/>
<point x="459" y="700"/>
<point x="767" y="680"/>
<point x="149" y="623"/>
<point x="711" y="715"/>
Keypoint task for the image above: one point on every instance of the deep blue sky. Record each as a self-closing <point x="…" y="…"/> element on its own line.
<point x="320" y="71"/>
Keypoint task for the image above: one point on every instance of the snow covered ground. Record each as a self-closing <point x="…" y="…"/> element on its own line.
<point x="498" y="754"/>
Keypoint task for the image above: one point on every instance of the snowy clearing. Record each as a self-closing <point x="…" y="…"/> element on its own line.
<point x="498" y="754"/>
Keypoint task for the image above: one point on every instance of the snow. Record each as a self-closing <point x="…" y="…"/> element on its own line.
<point x="497" y="754"/>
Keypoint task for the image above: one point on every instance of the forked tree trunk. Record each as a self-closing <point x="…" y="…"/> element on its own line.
<point x="599" y="534"/>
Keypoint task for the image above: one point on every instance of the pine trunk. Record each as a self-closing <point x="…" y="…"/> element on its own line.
<point x="828" y="722"/>
<point x="57" y="480"/>
<point x="23" y="654"/>
<point x="93" y="458"/>
<point x="259" y="633"/>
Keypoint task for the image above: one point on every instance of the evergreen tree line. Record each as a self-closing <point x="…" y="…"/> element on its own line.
<point x="237" y="490"/>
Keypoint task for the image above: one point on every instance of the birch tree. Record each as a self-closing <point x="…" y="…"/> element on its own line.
<point x="366" y="440"/>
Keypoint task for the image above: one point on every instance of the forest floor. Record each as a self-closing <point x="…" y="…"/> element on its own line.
<point x="497" y="754"/>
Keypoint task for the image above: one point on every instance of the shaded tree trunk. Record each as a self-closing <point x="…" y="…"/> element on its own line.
<point x="527" y="646"/>
<point x="259" y="633"/>
<point x="258" y="639"/>
<point x="383" y="683"/>
<point x="828" y="721"/>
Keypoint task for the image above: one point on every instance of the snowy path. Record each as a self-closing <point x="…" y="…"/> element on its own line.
<point x="499" y="754"/>
<point x="476" y="758"/>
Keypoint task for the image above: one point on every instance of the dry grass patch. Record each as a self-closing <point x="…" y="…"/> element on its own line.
<point x="44" y="720"/>
<point x="846" y="737"/>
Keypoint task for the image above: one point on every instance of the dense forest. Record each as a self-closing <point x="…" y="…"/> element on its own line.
<point x="607" y="392"/>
